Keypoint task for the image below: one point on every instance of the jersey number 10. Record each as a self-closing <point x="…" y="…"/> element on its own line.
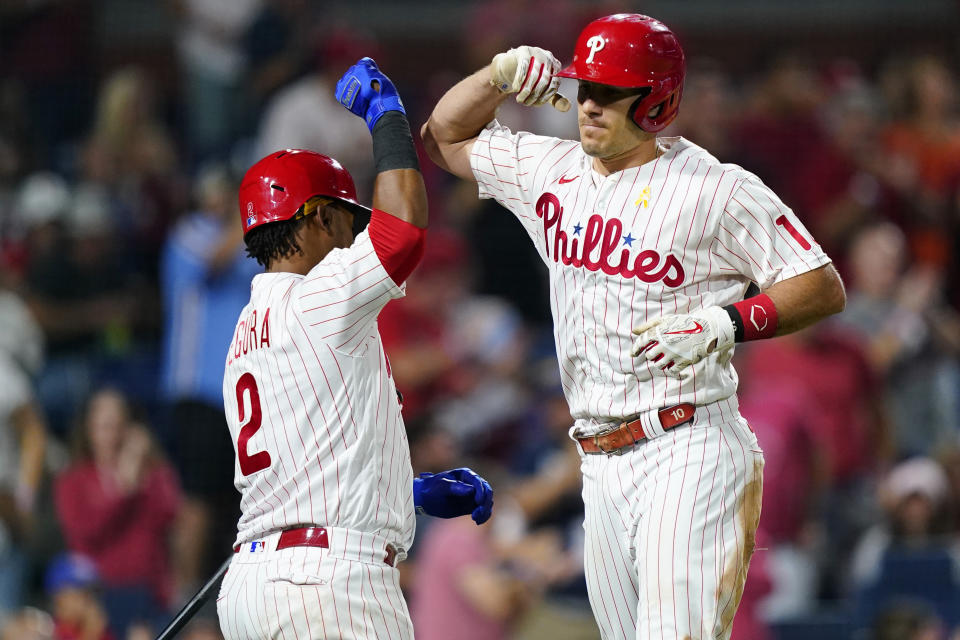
<point x="250" y="463"/>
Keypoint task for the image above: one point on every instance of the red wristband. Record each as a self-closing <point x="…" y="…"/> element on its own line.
<point x="398" y="244"/>
<point x="753" y="318"/>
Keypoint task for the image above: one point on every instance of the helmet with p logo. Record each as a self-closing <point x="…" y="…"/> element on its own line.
<point x="630" y="50"/>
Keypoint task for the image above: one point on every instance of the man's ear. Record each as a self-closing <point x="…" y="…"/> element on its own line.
<point x="324" y="218"/>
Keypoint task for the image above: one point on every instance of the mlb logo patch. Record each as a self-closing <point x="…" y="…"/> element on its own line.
<point x="251" y="220"/>
<point x="256" y="545"/>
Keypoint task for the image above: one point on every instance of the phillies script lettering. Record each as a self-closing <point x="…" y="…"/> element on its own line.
<point x="605" y="235"/>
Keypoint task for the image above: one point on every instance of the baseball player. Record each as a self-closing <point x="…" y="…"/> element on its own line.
<point x="651" y="245"/>
<point x="323" y="465"/>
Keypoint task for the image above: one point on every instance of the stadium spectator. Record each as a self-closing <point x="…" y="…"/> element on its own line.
<point x="76" y="285"/>
<point x="779" y="130"/>
<point x="116" y="503"/>
<point x="473" y="586"/>
<point x="908" y="621"/>
<point x="28" y="623"/>
<point x="138" y="160"/>
<point x="784" y="417"/>
<point x="910" y="553"/>
<point x="302" y="115"/>
<point x="898" y="312"/>
<point x="71" y="583"/>
<point x="22" y="444"/>
<point x="205" y="278"/>
<point x="924" y="137"/>
<point x="708" y="113"/>
<point x="276" y="46"/>
<point x="841" y="189"/>
<point x="212" y="65"/>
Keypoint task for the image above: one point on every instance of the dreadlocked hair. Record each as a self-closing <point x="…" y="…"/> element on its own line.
<point x="274" y="241"/>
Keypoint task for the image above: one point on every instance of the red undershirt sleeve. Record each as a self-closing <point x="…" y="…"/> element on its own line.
<point x="398" y="244"/>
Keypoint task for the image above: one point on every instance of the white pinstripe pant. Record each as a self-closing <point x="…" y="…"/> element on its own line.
<point x="670" y="530"/>
<point x="307" y="593"/>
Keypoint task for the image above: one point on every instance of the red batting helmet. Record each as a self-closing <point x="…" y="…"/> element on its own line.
<point x="633" y="50"/>
<point x="278" y="185"/>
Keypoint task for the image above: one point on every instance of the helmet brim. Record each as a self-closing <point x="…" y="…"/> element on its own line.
<point x="570" y="71"/>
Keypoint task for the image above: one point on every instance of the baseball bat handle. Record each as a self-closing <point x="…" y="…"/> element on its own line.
<point x="199" y="599"/>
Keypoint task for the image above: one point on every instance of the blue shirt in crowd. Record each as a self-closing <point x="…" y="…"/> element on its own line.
<point x="200" y="309"/>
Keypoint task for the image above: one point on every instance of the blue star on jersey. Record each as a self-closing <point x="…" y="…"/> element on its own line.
<point x="577" y="229"/>
<point x="628" y="240"/>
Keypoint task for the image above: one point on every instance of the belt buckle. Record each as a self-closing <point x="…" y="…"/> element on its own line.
<point x="619" y="451"/>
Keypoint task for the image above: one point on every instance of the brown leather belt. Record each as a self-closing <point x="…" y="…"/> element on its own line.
<point x="630" y="433"/>
<point x="317" y="537"/>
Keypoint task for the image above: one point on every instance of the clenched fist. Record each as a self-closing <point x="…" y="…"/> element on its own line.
<point x="530" y="72"/>
<point x="674" y="342"/>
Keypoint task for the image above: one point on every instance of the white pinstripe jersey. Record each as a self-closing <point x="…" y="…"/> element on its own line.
<point x="311" y="404"/>
<point x="679" y="233"/>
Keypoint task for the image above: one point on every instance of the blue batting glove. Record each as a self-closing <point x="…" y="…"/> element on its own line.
<point x="355" y="92"/>
<point x="453" y="493"/>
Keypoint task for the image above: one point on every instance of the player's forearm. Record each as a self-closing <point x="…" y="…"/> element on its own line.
<point x="464" y="110"/>
<point x="807" y="298"/>
<point x="457" y="120"/>
<point x="398" y="188"/>
<point x="401" y="193"/>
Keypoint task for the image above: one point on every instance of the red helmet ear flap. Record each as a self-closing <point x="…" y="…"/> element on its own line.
<point x="667" y="105"/>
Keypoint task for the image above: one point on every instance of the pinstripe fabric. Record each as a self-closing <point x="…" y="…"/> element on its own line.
<point x="685" y="232"/>
<point x="307" y="593"/>
<point x="670" y="530"/>
<point x="316" y="426"/>
<point x="670" y="523"/>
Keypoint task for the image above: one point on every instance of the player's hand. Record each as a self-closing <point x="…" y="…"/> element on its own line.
<point x="530" y="72"/>
<point x="453" y="493"/>
<point x="674" y="342"/>
<point x="367" y="92"/>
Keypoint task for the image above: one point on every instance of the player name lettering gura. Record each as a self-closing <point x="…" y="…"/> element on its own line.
<point x="249" y="337"/>
<point x="648" y="266"/>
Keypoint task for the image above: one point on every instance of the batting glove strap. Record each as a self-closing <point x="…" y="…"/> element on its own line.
<point x="530" y="72"/>
<point x="356" y="93"/>
<point x="385" y="104"/>
<point x="674" y="342"/>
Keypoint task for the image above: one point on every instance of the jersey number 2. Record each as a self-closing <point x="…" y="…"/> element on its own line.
<point x="250" y="463"/>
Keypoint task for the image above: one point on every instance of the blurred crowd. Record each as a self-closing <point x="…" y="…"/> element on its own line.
<point x="123" y="272"/>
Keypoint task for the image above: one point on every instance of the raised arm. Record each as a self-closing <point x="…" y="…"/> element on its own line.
<point x="463" y="112"/>
<point x="457" y="120"/>
<point x="398" y="188"/>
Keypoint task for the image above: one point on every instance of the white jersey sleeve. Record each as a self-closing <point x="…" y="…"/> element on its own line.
<point x="341" y="296"/>
<point x="512" y="168"/>
<point x="761" y="238"/>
